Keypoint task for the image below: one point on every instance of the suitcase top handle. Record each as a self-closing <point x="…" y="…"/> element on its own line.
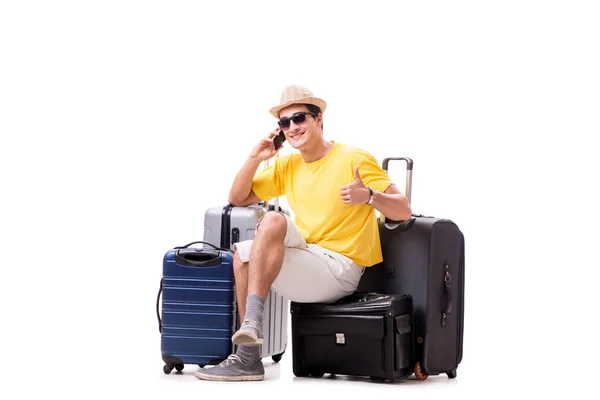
<point x="195" y="257"/>
<point x="201" y="242"/>
<point x="198" y="258"/>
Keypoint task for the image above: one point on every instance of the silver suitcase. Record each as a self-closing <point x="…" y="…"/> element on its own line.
<point x="240" y="224"/>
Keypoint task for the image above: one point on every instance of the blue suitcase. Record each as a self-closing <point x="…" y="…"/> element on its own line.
<point x="198" y="306"/>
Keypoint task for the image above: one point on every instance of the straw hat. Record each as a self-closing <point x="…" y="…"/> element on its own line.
<point x="296" y="94"/>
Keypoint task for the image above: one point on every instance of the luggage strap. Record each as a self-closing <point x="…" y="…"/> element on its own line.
<point x="448" y="286"/>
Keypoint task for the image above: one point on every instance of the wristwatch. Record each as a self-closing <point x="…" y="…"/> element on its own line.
<point x="370" y="197"/>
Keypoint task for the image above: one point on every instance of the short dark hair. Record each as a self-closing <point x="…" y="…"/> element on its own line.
<point x="314" y="109"/>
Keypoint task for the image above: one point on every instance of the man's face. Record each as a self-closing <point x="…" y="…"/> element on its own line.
<point x="302" y="134"/>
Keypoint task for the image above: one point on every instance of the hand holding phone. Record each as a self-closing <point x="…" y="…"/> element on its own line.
<point x="268" y="145"/>
<point x="278" y="140"/>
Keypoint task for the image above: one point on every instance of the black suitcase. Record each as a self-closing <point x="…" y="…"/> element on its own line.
<point x="364" y="334"/>
<point x="424" y="257"/>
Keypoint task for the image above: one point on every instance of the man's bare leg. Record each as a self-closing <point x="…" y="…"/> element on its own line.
<point x="240" y="271"/>
<point x="253" y="281"/>
<point x="266" y="258"/>
<point x="247" y="354"/>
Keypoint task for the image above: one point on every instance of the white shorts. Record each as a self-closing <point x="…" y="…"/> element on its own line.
<point x="310" y="273"/>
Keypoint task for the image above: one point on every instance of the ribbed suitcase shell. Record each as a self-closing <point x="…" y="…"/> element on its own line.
<point x="242" y="226"/>
<point x="198" y="310"/>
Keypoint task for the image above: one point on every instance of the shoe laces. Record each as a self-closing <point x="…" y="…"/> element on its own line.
<point x="232" y="358"/>
<point x="251" y="323"/>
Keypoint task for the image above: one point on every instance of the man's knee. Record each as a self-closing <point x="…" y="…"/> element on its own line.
<point x="273" y="222"/>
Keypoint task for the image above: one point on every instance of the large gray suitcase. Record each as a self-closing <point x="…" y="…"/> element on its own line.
<point x="240" y="224"/>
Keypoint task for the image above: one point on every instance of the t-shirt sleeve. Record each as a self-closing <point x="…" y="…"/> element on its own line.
<point x="268" y="183"/>
<point x="372" y="174"/>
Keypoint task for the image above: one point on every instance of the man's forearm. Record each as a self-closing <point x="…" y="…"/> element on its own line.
<point x="242" y="184"/>
<point x="393" y="205"/>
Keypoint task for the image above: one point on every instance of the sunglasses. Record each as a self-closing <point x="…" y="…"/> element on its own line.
<point x="298" y="118"/>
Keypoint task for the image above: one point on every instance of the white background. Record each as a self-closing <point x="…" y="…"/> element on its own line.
<point x="121" y="122"/>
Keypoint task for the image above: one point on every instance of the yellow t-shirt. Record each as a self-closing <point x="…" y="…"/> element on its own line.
<point x="313" y="192"/>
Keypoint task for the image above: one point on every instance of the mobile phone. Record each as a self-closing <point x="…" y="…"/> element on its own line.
<point x="278" y="140"/>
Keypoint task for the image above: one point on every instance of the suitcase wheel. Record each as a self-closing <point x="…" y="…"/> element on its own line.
<point x="317" y="374"/>
<point x="451" y="374"/>
<point x="168" y="368"/>
<point x="202" y="365"/>
<point x="277" y="357"/>
<point x="419" y="374"/>
<point x="377" y="379"/>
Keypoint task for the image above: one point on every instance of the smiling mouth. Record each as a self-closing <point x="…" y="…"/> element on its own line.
<point x="296" y="136"/>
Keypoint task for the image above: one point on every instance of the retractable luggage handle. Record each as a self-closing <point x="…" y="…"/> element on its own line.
<point x="409" y="170"/>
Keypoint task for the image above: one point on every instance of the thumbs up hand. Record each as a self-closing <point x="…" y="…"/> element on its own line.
<point x="355" y="192"/>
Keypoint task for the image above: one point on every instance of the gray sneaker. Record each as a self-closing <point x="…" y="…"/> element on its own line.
<point x="249" y="334"/>
<point x="232" y="369"/>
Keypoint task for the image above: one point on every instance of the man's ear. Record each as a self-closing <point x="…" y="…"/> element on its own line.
<point x="319" y="119"/>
